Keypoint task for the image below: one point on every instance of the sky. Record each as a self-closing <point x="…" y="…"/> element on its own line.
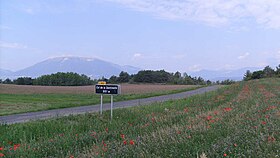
<point x="175" y="35"/>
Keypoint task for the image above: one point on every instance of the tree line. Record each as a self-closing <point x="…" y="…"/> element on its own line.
<point x="267" y="72"/>
<point x="57" y="79"/>
<point x="144" y="76"/>
<point x="159" y="76"/>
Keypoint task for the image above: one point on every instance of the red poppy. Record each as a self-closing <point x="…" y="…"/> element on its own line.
<point x="131" y="142"/>
<point x="122" y="136"/>
<point x="2" y="155"/>
<point x="71" y="156"/>
<point x="1" y="148"/>
<point x="104" y="143"/>
<point x="271" y="139"/>
<point x="225" y="155"/>
<point x="209" y="117"/>
<point x="124" y="142"/>
<point x="235" y="145"/>
<point x="227" y="109"/>
<point x="16" y="146"/>
<point x="263" y="122"/>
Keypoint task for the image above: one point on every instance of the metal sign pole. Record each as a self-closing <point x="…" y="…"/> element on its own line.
<point x="112" y="107"/>
<point x="101" y="103"/>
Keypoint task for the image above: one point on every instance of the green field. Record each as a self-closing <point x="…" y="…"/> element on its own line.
<point x="241" y="120"/>
<point x="20" y="103"/>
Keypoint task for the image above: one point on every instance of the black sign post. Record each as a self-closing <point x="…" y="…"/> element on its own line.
<point x="109" y="89"/>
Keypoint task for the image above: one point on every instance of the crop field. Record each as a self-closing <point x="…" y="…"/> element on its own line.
<point x="241" y="120"/>
<point x="125" y="88"/>
<point x="18" y="99"/>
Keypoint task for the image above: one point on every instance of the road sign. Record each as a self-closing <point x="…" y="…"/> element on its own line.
<point x="107" y="89"/>
<point x="102" y="82"/>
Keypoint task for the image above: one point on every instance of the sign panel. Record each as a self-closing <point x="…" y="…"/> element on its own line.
<point x="102" y="82"/>
<point x="107" y="89"/>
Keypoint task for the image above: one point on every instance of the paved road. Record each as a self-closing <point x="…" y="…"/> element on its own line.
<point x="25" y="117"/>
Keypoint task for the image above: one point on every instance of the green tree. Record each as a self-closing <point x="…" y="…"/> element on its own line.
<point x="247" y="76"/>
<point x="7" y="81"/>
<point x="123" y="77"/>
<point x="113" y="79"/>
<point x="23" y="81"/>
<point x="257" y="74"/>
<point x="277" y="72"/>
<point x="268" y="72"/>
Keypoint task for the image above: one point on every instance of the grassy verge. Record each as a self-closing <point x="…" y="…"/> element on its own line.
<point x="20" y="103"/>
<point x="241" y="120"/>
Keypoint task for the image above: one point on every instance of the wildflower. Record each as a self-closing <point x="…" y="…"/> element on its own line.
<point x="263" y="122"/>
<point x="16" y="146"/>
<point x="227" y="109"/>
<point x="71" y="156"/>
<point x="122" y="136"/>
<point x="235" y="145"/>
<point x="131" y="142"/>
<point x="107" y="130"/>
<point x="270" y="139"/>
<point x="124" y="142"/>
<point x="216" y="112"/>
<point x="2" y="155"/>
<point x="209" y="117"/>
<point x="1" y="148"/>
<point x="225" y="154"/>
<point x="104" y="143"/>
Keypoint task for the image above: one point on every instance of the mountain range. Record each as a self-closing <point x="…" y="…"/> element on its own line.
<point x="97" y="68"/>
<point x="215" y="75"/>
<point x="92" y="67"/>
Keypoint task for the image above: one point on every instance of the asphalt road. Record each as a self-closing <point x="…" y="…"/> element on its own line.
<point x="25" y="117"/>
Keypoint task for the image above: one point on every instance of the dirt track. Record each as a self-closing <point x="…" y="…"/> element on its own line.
<point x="125" y="88"/>
<point x="19" y="118"/>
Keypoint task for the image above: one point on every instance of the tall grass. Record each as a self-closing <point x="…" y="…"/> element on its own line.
<point x="237" y="121"/>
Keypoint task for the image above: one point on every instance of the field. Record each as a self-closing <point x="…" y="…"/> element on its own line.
<point x="18" y="99"/>
<point x="125" y="88"/>
<point x="241" y="120"/>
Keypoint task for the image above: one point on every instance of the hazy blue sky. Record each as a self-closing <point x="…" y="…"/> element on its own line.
<point x="184" y="35"/>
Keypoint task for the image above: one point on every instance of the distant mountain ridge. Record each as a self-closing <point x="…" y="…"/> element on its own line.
<point x="92" y="67"/>
<point x="215" y="75"/>
<point x="97" y="68"/>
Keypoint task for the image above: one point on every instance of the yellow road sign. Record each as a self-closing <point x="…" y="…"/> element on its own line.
<point x="102" y="82"/>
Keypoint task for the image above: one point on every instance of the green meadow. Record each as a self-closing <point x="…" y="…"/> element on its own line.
<point x="21" y="103"/>
<point x="241" y="120"/>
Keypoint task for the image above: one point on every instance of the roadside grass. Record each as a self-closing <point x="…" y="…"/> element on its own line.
<point x="21" y="103"/>
<point x="241" y="120"/>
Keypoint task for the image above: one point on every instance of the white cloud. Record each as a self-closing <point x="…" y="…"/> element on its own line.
<point x="29" y="10"/>
<point x="211" y="12"/>
<point x="137" y="55"/>
<point x="12" y="45"/>
<point x="243" y="56"/>
<point x="194" y="68"/>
